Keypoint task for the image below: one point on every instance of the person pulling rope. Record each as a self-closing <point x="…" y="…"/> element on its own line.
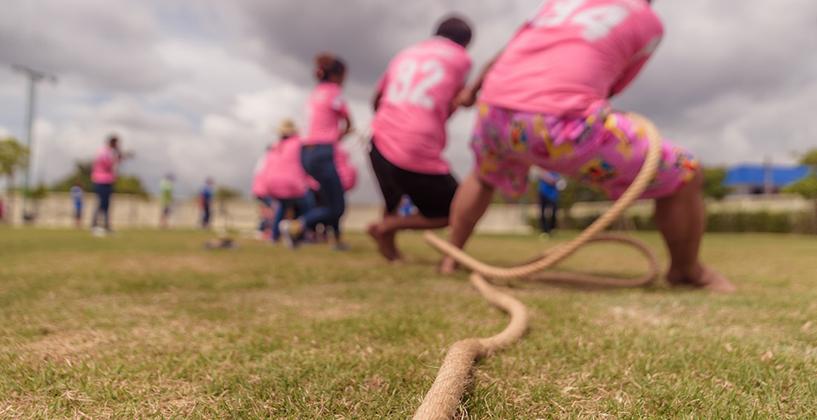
<point x="442" y="399"/>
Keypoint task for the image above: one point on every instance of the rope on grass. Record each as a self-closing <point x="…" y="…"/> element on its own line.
<point x="454" y="376"/>
<point x="441" y="401"/>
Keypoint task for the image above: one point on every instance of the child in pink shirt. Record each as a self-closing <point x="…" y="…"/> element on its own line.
<point x="284" y="178"/>
<point x="266" y="205"/>
<point x="413" y="101"/>
<point x="325" y="111"/>
<point x="545" y="102"/>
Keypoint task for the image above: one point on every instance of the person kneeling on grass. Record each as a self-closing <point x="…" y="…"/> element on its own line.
<point x="266" y="204"/>
<point x="545" y="103"/>
<point x="413" y="102"/>
<point x="285" y="179"/>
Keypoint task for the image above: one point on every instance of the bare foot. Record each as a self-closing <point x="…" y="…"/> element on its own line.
<point x="386" y="250"/>
<point x="707" y="279"/>
<point x="448" y="266"/>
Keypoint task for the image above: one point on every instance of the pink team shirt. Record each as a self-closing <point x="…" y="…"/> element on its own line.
<point x="572" y="56"/>
<point x="104" y="169"/>
<point x="325" y="108"/>
<point x="346" y="171"/>
<point x="418" y="88"/>
<point x="284" y="176"/>
<point x="258" y="189"/>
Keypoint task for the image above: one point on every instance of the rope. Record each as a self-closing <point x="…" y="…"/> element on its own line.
<point x="441" y="401"/>
<point x="444" y="396"/>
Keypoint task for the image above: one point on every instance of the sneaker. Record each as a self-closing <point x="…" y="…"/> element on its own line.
<point x="99" y="232"/>
<point x="341" y="246"/>
<point x="291" y="232"/>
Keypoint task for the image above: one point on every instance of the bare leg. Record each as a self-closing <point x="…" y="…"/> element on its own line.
<point x="681" y="219"/>
<point x="384" y="239"/>
<point x="392" y="224"/>
<point x="470" y="202"/>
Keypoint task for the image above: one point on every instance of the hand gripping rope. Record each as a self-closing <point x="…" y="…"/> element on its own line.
<point x="441" y="401"/>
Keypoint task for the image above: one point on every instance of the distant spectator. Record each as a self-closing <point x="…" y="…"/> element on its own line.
<point x="166" y="199"/>
<point x="77" y="194"/>
<point x="205" y="202"/>
<point x="103" y="175"/>
<point x="548" y="194"/>
<point x="406" y="207"/>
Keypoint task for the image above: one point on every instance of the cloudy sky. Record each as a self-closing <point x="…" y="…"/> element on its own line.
<point x="193" y="86"/>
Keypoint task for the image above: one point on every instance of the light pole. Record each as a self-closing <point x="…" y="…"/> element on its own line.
<point x="34" y="76"/>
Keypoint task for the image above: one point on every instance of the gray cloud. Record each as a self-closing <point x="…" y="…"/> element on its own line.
<point x="194" y="86"/>
<point x="105" y="45"/>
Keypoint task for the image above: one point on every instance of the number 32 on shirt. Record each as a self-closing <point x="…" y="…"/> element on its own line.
<point x="414" y="80"/>
<point x="596" y="22"/>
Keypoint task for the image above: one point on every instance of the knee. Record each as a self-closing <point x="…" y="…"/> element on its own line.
<point x="482" y="184"/>
<point x="694" y="187"/>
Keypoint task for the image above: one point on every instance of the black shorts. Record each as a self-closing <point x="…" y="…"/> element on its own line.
<point x="432" y="194"/>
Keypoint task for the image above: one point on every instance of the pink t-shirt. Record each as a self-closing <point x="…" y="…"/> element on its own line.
<point x="284" y="175"/>
<point x="104" y="168"/>
<point x="573" y="55"/>
<point x="258" y="189"/>
<point x="346" y="171"/>
<point x="418" y="88"/>
<point x="325" y="108"/>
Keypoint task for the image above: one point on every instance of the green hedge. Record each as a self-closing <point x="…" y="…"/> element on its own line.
<point x="763" y="221"/>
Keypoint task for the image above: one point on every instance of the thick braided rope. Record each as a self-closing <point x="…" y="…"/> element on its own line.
<point x="454" y="376"/>
<point x="441" y="401"/>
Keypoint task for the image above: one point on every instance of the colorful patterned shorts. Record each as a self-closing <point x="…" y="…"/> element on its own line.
<point x="605" y="150"/>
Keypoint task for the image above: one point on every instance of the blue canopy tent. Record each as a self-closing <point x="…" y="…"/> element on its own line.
<point x="753" y="179"/>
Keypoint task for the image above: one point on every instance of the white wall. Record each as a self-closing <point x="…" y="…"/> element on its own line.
<point x="131" y="212"/>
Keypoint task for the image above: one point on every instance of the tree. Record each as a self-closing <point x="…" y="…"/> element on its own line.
<point x="224" y="194"/>
<point x="809" y="158"/>
<point x="129" y="184"/>
<point x="806" y="187"/>
<point x="125" y="184"/>
<point x="81" y="175"/>
<point x="713" y="183"/>
<point x="13" y="157"/>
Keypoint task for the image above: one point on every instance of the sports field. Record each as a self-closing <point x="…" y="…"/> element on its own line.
<point x="151" y="325"/>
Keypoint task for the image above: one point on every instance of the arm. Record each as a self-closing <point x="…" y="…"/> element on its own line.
<point x="376" y="100"/>
<point x="468" y="95"/>
<point x="343" y="111"/>
<point x="381" y="86"/>
<point x="635" y="66"/>
<point x="349" y="128"/>
<point x="627" y="77"/>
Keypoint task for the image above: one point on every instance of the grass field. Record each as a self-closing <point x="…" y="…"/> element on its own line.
<point x="151" y="325"/>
